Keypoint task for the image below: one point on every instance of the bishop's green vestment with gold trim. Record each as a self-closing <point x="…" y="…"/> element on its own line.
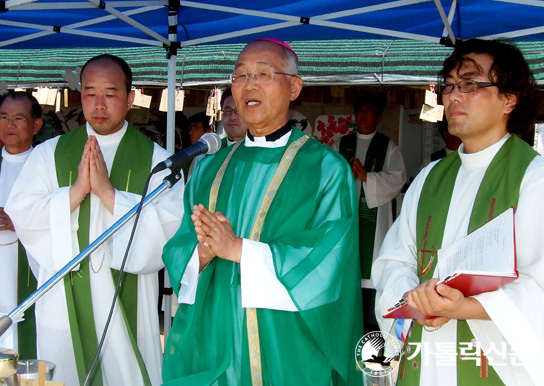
<point x="311" y="229"/>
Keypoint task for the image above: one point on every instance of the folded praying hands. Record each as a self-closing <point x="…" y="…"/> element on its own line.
<point x="215" y="236"/>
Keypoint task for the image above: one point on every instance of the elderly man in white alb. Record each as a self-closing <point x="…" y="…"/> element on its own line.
<point x="20" y="120"/>
<point x="71" y="190"/>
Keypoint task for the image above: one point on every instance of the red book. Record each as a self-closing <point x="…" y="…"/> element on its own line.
<point x="483" y="261"/>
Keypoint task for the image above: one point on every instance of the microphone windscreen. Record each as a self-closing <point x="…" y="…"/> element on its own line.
<point x="213" y="140"/>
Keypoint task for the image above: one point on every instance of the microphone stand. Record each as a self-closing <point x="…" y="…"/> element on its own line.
<point x="7" y="320"/>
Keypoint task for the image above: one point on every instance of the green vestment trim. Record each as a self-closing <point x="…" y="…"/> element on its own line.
<point x="374" y="161"/>
<point x="311" y="229"/>
<point x="498" y="191"/>
<point x="127" y="174"/>
<point x="26" y="286"/>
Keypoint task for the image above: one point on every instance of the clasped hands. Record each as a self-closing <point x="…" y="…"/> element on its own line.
<point x="5" y="221"/>
<point x="215" y="236"/>
<point x="444" y="302"/>
<point x="358" y="170"/>
<point x="92" y="177"/>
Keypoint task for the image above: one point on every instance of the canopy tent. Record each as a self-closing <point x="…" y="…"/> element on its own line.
<point x="174" y="24"/>
<point x="92" y="23"/>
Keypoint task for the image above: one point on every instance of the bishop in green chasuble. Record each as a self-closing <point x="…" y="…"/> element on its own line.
<point x="311" y="229"/>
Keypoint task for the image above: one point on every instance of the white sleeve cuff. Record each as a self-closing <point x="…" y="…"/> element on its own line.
<point x="189" y="281"/>
<point x="260" y="286"/>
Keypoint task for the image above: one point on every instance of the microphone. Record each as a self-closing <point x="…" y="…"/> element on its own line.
<point x="209" y="143"/>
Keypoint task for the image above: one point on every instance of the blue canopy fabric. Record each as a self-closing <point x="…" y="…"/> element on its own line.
<point x="94" y="23"/>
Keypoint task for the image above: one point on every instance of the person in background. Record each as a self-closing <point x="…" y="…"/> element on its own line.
<point x="20" y="121"/>
<point x="452" y="144"/>
<point x="199" y="124"/>
<point x="265" y="262"/>
<point x="73" y="188"/>
<point x="380" y="175"/>
<point x="489" y="94"/>
<point x="233" y="124"/>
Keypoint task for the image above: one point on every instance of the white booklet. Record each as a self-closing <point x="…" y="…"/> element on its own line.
<point x="482" y="261"/>
<point x="489" y="250"/>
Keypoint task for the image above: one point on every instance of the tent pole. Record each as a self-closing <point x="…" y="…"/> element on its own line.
<point x="170" y="136"/>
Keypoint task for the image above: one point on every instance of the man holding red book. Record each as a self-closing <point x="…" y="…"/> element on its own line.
<point x="488" y="93"/>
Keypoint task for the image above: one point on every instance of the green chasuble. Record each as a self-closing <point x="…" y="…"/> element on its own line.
<point x="26" y="285"/>
<point x="498" y="191"/>
<point x="311" y="229"/>
<point x="127" y="174"/>
<point x="374" y="161"/>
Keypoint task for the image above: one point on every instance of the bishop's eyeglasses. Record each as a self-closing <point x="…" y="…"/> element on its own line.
<point x="260" y="77"/>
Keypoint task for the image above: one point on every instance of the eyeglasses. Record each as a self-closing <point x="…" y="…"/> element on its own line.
<point x="18" y="119"/>
<point x="260" y="77"/>
<point x="227" y="111"/>
<point x="464" y="86"/>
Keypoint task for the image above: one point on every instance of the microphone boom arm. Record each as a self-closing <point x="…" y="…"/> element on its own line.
<point x="7" y="320"/>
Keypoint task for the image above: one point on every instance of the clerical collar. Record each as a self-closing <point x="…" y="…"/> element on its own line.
<point x="107" y="139"/>
<point x="19" y="157"/>
<point x="482" y="158"/>
<point x="366" y="136"/>
<point x="230" y="143"/>
<point x="275" y="135"/>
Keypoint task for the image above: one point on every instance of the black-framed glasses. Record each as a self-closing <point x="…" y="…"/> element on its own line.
<point x="260" y="77"/>
<point x="18" y="119"/>
<point x="464" y="86"/>
<point x="227" y="111"/>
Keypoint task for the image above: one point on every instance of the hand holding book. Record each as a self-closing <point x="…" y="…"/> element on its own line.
<point x="483" y="261"/>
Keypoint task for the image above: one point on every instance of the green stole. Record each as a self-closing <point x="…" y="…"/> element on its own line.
<point x="26" y="286"/>
<point x="374" y="161"/>
<point x="498" y="191"/>
<point x="127" y="174"/>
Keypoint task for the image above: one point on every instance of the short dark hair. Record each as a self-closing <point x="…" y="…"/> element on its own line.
<point x="202" y="118"/>
<point x="375" y="100"/>
<point x="509" y="72"/>
<point x="125" y="68"/>
<point x="35" y="108"/>
<point x="227" y="93"/>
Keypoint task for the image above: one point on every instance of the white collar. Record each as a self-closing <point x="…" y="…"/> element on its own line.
<point x="108" y="139"/>
<point x="483" y="157"/>
<point x="19" y="157"/>
<point x="366" y="136"/>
